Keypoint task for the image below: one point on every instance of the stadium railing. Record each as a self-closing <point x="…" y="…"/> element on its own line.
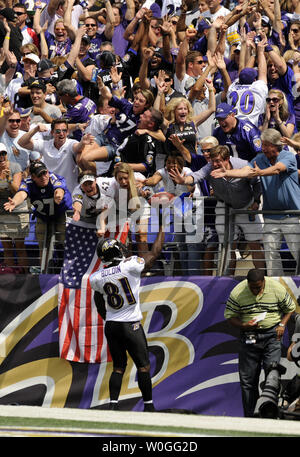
<point x="191" y="247"/>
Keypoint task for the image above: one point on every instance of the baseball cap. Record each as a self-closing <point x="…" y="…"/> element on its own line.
<point x="9" y="14"/>
<point x="45" y="64"/>
<point x="86" y="178"/>
<point x="38" y="84"/>
<point x="107" y="59"/>
<point x="159" y="52"/>
<point x="86" y="38"/>
<point x="238" y="47"/>
<point x="31" y="56"/>
<point x="203" y="25"/>
<point x="247" y="75"/>
<point x="37" y="168"/>
<point x="223" y="110"/>
<point x="265" y="20"/>
<point x="3" y="147"/>
<point x="233" y="38"/>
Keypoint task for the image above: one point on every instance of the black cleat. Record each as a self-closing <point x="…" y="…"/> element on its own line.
<point x="114" y="406"/>
<point x="149" y="408"/>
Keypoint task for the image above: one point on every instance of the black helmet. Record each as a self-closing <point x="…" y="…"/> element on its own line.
<point x="110" y="251"/>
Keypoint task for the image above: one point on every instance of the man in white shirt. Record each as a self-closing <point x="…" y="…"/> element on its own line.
<point x="60" y="153"/>
<point x="10" y="133"/>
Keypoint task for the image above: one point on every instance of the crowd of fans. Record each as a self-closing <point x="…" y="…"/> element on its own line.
<point x="147" y="96"/>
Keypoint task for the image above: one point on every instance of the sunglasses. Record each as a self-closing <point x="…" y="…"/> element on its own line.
<point x="18" y="13"/>
<point x="206" y="150"/>
<point x="174" y="22"/>
<point x="167" y="80"/>
<point x="11" y="121"/>
<point x="3" y="153"/>
<point x="295" y="30"/>
<point x="199" y="61"/>
<point x="42" y="173"/>
<point x="60" y="131"/>
<point x="274" y="100"/>
<point x="90" y="25"/>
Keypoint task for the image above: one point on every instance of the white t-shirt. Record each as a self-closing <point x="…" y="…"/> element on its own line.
<point x="231" y="30"/>
<point x="13" y="87"/>
<point x="120" y="287"/>
<point x="248" y="99"/>
<point x="60" y="161"/>
<point x="77" y="11"/>
<point x="88" y="213"/>
<point x="17" y="154"/>
<point x="207" y="127"/>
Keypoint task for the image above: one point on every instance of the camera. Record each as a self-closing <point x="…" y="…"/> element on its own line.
<point x="267" y="404"/>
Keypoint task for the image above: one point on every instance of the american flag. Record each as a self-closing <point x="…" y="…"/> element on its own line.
<point x="81" y="329"/>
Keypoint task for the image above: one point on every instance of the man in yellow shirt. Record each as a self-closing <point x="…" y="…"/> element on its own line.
<point x="260" y="307"/>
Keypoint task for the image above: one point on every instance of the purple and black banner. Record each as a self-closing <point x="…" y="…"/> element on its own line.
<point x="193" y="349"/>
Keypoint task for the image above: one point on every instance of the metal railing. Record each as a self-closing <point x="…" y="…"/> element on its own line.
<point x="200" y="252"/>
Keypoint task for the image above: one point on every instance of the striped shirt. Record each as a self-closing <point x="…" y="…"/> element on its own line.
<point x="274" y="299"/>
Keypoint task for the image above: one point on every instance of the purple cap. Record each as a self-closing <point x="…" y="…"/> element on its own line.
<point x="247" y="75"/>
<point x="156" y="11"/>
<point x="223" y="110"/>
<point x="203" y="25"/>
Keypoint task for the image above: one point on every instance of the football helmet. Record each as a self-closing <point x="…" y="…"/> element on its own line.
<point x="110" y="251"/>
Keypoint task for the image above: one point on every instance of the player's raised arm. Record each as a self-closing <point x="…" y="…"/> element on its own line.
<point x="151" y="256"/>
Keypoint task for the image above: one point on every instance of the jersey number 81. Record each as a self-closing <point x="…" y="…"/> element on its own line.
<point x="114" y="298"/>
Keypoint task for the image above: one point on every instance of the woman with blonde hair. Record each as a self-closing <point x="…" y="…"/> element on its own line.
<point x="182" y="121"/>
<point x="277" y="115"/>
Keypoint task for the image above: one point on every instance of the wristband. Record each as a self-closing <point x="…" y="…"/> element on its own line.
<point x="133" y="51"/>
<point x="7" y="37"/>
<point x="281" y="325"/>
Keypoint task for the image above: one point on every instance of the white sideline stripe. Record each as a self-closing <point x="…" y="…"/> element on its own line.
<point x="241" y="424"/>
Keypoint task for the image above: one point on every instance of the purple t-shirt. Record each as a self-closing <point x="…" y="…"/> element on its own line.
<point x="94" y="49"/>
<point x="81" y="112"/>
<point x="56" y="48"/>
<point x="126" y="121"/>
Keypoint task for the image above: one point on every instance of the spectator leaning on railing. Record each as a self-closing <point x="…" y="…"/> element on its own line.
<point x="50" y="197"/>
<point x="237" y="193"/>
<point x="277" y="169"/>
